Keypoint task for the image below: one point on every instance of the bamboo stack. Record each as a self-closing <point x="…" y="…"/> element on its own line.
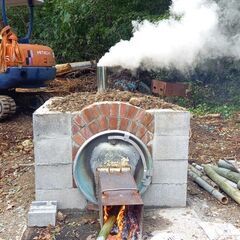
<point x="225" y="177"/>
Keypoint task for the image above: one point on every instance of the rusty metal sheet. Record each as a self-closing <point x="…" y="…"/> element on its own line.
<point x="118" y="189"/>
<point x="170" y="89"/>
<point x="126" y="197"/>
<point x="116" y="181"/>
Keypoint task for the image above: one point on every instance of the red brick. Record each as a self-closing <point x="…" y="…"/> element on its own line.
<point x="114" y="109"/>
<point x="144" y="118"/>
<point x="150" y="127"/>
<point x="132" y="112"/>
<point x="86" y="133"/>
<point x="79" y="121"/>
<point x="93" y="127"/>
<point x="75" y="129"/>
<point x="147" y="137"/>
<point x="124" y="122"/>
<point x="124" y="109"/>
<point x="132" y="127"/>
<point x="113" y="123"/>
<point x="78" y="139"/>
<point x="103" y="123"/>
<point x="104" y="109"/>
<point x="141" y="130"/>
<point x="90" y="113"/>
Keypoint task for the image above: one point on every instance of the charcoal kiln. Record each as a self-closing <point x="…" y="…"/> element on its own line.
<point x="115" y="155"/>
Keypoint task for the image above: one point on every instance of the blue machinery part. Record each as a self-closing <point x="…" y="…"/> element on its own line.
<point x="26" y="77"/>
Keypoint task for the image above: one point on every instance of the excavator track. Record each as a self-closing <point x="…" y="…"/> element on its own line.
<point x="7" y="106"/>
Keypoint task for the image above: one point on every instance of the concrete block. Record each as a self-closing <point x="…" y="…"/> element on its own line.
<point x="51" y="125"/>
<point x="42" y="213"/>
<point x="171" y="123"/>
<point x="53" y="177"/>
<point x="166" y="195"/>
<point x="170" y="147"/>
<point x="170" y="171"/>
<point x="53" y="151"/>
<point x="66" y="198"/>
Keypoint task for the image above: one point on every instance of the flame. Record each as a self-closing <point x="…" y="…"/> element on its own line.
<point x="106" y="210"/>
<point x="123" y="219"/>
<point x="120" y="222"/>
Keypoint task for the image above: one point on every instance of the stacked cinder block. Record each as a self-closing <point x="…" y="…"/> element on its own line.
<point x="53" y="159"/>
<point x="170" y="159"/>
<point x="56" y="143"/>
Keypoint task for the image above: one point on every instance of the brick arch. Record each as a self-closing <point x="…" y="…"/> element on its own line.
<point x="103" y="116"/>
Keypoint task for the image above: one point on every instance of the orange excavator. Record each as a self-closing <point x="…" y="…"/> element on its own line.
<point x="22" y="65"/>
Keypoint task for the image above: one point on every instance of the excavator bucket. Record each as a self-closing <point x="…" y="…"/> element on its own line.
<point x="22" y="2"/>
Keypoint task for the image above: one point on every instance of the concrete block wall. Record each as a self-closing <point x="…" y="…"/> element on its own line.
<point x="170" y="159"/>
<point x="55" y="148"/>
<point x="53" y="159"/>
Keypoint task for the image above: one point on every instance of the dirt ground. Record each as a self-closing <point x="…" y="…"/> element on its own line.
<point x="211" y="139"/>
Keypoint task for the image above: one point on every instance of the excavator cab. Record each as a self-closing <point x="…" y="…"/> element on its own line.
<point x="22" y="65"/>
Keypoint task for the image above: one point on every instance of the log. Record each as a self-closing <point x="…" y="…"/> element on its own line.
<point x="204" y="177"/>
<point x="221" y="182"/>
<point x="219" y="196"/>
<point x="63" y="68"/>
<point x="107" y="227"/>
<point x="232" y="176"/>
<point x="71" y="67"/>
<point x="226" y="164"/>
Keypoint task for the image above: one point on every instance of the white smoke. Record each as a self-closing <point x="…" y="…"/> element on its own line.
<point x="195" y="31"/>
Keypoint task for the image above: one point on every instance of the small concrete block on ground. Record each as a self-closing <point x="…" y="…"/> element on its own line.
<point x="53" y="176"/>
<point x="66" y="198"/>
<point x="170" y="147"/>
<point x="166" y="195"/>
<point x="42" y="214"/>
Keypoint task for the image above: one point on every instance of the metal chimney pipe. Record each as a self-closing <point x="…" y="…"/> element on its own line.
<point x="102" y="83"/>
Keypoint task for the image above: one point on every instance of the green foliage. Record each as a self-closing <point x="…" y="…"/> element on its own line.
<point x="86" y="29"/>
<point x="226" y="110"/>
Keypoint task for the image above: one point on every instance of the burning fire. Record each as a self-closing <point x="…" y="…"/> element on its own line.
<point x="120" y="222"/>
<point x="126" y="226"/>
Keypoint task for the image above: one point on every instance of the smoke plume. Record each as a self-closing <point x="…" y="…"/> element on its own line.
<point x="195" y="31"/>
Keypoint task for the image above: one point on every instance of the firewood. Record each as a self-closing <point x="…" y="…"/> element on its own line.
<point x="107" y="227"/>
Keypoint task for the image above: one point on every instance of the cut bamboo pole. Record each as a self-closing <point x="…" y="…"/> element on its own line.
<point x="204" y="177"/>
<point x="219" y="196"/>
<point x="107" y="227"/>
<point x="232" y="176"/>
<point x="198" y="167"/>
<point x="226" y="164"/>
<point x="232" y="183"/>
<point x="221" y="182"/>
